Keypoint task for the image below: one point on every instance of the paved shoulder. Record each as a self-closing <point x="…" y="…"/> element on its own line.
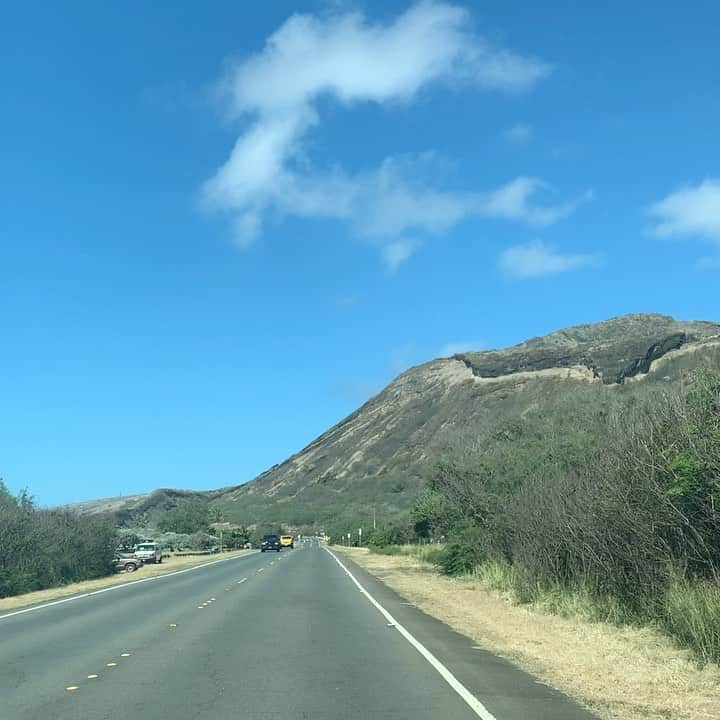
<point x="506" y="692"/>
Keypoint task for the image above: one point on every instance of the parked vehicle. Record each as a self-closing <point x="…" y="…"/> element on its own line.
<point x="270" y="542"/>
<point x="127" y="562"/>
<point x="149" y="552"/>
<point x="287" y="541"/>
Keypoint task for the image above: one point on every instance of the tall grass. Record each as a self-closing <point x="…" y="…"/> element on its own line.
<point x="692" y="618"/>
<point x="497" y="576"/>
<point x="425" y="553"/>
<point x="689" y="612"/>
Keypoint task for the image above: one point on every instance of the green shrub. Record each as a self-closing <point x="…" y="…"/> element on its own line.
<point x="190" y="515"/>
<point x="464" y="552"/>
<point x="594" y="521"/>
<point x="46" y="548"/>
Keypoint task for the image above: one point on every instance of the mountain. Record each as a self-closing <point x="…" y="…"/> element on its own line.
<point x="544" y="401"/>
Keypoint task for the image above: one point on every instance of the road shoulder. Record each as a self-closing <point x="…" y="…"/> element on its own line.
<point x="619" y="673"/>
<point x="506" y="690"/>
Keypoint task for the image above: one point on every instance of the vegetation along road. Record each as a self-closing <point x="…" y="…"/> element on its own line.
<point x="302" y="633"/>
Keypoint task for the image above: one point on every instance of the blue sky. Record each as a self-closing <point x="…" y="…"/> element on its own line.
<point x="222" y="229"/>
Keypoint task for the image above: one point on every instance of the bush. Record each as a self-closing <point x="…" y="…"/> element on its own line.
<point x="45" y="548"/>
<point x="190" y="515"/>
<point x="390" y="535"/>
<point x="203" y="541"/>
<point x="467" y="549"/>
<point x="626" y="532"/>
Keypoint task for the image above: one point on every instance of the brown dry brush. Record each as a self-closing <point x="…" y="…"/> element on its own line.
<point x="642" y="515"/>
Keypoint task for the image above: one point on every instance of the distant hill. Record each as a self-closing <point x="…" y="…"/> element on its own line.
<point x="543" y="401"/>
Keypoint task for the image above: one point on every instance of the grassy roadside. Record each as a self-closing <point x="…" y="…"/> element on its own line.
<point x="169" y="564"/>
<point x="621" y="673"/>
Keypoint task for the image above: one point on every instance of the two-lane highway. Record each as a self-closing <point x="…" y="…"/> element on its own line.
<point x="300" y="634"/>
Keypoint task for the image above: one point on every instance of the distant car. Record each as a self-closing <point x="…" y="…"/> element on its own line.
<point x="270" y="542"/>
<point x="287" y="541"/>
<point x="149" y="552"/>
<point x="127" y="562"/>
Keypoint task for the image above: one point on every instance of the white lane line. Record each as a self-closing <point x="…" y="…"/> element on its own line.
<point x="475" y="705"/>
<point x="240" y="582"/>
<point x="123" y="585"/>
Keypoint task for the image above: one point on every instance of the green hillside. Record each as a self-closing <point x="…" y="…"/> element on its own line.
<point x="538" y="407"/>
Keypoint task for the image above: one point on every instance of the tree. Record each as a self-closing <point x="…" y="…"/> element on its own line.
<point x="236" y="538"/>
<point x="190" y="515"/>
<point x="44" y="548"/>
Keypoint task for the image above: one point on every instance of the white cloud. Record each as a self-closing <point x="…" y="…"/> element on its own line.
<point x="460" y="347"/>
<point x="346" y="58"/>
<point x="396" y="253"/>
<point x="512" y="201"/>
<point x="690" y="211"/>
<point x="536" y="259"/>
<point x="518" y="135"/>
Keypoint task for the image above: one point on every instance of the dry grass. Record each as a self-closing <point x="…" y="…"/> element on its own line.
<point x="169" y="564"/>
<point x="620" y="673"/>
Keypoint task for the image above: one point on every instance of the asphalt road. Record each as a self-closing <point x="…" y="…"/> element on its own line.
<point x="264" y="636"/>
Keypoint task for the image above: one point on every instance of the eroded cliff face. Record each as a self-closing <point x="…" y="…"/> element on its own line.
<point x="613" y="350"/>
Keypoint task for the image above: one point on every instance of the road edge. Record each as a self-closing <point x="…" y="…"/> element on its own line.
<point x="475" y="705"/>
<point x="120" y="586"/>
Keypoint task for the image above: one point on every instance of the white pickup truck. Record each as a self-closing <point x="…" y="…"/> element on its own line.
<point x="148" y="552"/>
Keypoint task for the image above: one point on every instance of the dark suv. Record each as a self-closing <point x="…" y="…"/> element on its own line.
<point x="270" y="542"/>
